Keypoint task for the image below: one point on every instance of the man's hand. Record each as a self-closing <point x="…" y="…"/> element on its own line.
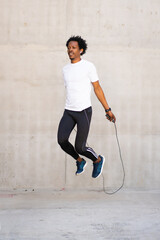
<point x="110" y="116"/>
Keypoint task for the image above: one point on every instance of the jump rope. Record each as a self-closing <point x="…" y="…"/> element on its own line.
<point x="121" y="159"/>
<point x="120" y="155"/>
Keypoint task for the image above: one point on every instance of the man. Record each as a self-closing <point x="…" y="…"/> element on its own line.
<point x="79" y="75"/>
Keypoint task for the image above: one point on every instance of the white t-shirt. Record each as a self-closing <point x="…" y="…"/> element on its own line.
<point x="77" y="78"/>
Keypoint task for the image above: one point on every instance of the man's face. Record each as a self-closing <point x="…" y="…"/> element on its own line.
<point x="74" y="51"/>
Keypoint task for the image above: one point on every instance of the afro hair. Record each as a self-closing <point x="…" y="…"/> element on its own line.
<point x="81" y="43"/>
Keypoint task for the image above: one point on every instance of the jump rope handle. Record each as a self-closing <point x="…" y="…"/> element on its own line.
<point x="107" y="115"/>
<point x="110" y="118"/>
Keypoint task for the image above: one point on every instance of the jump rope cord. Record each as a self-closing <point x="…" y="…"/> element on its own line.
<point x="65" y="176"/>
<point x="119" y="148"/>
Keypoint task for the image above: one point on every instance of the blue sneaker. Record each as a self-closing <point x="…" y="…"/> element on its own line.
<point x="80" y="166"/>
<point x="98" y="167"/>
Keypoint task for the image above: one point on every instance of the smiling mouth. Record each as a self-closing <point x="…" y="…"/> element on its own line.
<point x="71" y="54"/>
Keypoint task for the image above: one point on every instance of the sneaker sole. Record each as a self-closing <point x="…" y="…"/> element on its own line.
<point x="82" y="171"/>
<point x="102" y="167"/>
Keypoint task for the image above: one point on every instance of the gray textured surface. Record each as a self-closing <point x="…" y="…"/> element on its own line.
<point x="124" y="44"/>
<point x="80" y="215"/>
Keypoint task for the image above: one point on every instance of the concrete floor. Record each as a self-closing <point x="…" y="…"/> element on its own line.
<point x="86" y="215"/>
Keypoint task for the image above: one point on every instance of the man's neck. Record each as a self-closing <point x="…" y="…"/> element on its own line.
<point x="75" y="60"/>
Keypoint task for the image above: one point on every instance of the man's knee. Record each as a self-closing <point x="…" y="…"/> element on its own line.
<point x="62" y="142"/>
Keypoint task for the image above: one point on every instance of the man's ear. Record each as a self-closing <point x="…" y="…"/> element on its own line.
<point x="81" y="50"/>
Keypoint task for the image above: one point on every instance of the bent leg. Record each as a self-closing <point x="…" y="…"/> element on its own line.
<point x="83" y="125"/>
<point x="65" y="128"/>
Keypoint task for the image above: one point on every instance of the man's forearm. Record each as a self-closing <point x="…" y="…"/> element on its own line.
<point x="101" y="97"/>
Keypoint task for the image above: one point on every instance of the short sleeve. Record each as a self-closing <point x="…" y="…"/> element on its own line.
<point x="93" y="73"/>
<point x="63" y="76"/>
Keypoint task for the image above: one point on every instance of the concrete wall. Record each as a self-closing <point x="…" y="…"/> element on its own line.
<point x="124" y="44"/>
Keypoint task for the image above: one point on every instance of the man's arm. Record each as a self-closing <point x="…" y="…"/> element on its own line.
<point x="101" y="97"/>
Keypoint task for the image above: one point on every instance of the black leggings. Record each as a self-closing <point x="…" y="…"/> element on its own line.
<point x="66" y="125"/>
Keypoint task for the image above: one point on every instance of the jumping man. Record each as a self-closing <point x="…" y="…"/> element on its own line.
<point x="78" y="75"/>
